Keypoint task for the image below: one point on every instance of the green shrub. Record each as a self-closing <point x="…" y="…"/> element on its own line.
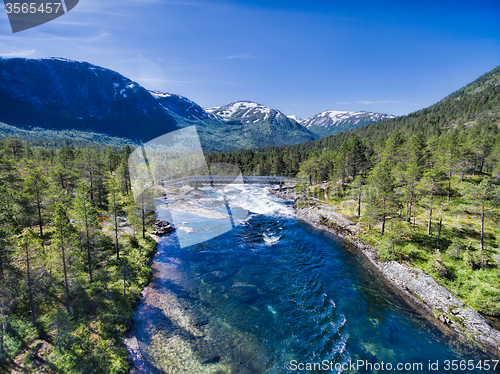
<point x="438" y="266"/>
<point x="476" y="260"/>
<point x="487" y="300"/>
<point x="470" y="260"/>
<point x="457" y="246"/>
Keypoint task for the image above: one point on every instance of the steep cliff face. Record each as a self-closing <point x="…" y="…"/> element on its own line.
<point x="65" y="94"/>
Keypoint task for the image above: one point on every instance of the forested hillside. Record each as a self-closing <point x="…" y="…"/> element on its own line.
<point x="476" y="103"/>
<point x="74" y="102"/>
<point x="433" y="202"/>
<point x="73" y="259"/>
<point x="425" y="187"/>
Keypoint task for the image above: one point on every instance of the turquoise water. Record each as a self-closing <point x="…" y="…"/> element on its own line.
<point x="275" y="296"/>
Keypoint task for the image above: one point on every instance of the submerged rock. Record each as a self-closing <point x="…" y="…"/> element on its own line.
<point x="163" y="228"/>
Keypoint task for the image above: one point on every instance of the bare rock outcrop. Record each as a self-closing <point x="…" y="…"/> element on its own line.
<point x="413" y="283"/>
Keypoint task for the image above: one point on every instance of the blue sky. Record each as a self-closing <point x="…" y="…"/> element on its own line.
<point x="299" y="57"/>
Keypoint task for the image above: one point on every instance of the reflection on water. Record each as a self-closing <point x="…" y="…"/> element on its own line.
<point x="272" y="291"/>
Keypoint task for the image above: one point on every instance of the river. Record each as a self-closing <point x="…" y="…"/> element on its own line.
<point x="275" y="296"/>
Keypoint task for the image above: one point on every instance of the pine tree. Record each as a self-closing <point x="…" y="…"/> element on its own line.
<point x="430" y="185"/>
<point x="114" y="198"/>
<point x="34" y="188"/>
<point x="485" y="196"/>
<point x="357" y="190"/>
<point x="393" y="148"/>
<point x="384" y="197"/>
<point x="28" y="244"/>
<point x="62" y="236"/>
<point x="411" y="170"/>
<point x="8" y="226"/>
<point x="356" y="160"/>
<point x="86" y="218"/>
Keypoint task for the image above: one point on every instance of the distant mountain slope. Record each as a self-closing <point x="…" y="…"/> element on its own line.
<point x="257" y="123"/>
<point x="60" y="98"/>
<point x="335" y="122"/>
<point x="63" y="94"/>
<point x="180" y="105"/>
<point x="475" y="103"/>
<point x="479" y="101"/>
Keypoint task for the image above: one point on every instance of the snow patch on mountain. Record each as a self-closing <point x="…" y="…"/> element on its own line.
<point x="295" y="118"/>
<point x="331" y="118"/>
<point x="245" y="111"/>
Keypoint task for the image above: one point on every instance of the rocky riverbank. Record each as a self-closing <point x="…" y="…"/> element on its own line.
<point x="412" y="283"/>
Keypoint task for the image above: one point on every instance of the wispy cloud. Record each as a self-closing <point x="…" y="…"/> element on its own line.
<point x="60" y="21"/>
<point x="19" y="53"/>
<point x="245" y="55"/>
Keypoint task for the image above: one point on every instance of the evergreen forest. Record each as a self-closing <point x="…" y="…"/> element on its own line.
<point x="74" y="258"/>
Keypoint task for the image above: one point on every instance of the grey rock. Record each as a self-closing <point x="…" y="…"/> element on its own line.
<point x="163" y="228"/>
<point x="413" y="283"/>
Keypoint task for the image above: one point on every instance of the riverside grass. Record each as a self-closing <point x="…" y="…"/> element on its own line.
<point x="473" y="276"/>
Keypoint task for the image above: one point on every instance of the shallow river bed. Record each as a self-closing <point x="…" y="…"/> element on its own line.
<point x="272" y="294"/>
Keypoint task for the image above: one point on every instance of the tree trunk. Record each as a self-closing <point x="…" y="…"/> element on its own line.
<point x="124" y="280"/>
<point x="430" y="217"/>
<point x="89" y="256"/>
<point x="40" y="223"/>
<point x="116" y="227"/>
<point x="359" y="205"/>
<point x="1" y="338"/>
<point x="116" y="239"/>
<point x="430" y="222"/>
<point x="482" y="227"/>
<point x="449" y="184"/>
<point x="1" y="262"/>
<point x="59" y="335"/>
<point x="66" y="285"/>
<point x="2" y="330"/>
<point x="439" y="230"/>
<point x="383" y="224"/>
<point x="409" y="211"/>
<point x="143" y="213"/>
<point x="30" y="287"/>
<point x="91" y="180"/>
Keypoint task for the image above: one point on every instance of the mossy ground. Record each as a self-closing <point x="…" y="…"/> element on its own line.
<point x="91" y="338"/>
<point x="478" y="286"/>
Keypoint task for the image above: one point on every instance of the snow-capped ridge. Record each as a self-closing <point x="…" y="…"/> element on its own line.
<point x="296" y="119"/>
<point x="334" y="121"/>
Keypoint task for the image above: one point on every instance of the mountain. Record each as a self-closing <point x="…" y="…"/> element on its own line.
<point x="180" y="105"/>
<point x="477" y="104"/>
<point x="335" y="122"/>
<point x="260" y="124"/>
<point x="296" y="119"/>
<point x="59" y="98"/>
<point x="60" y="94"/>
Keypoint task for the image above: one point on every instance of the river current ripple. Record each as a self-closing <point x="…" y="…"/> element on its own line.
<point x="272" y="294"/>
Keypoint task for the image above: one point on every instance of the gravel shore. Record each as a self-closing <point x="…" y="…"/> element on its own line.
<point x="414" y="284"/>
